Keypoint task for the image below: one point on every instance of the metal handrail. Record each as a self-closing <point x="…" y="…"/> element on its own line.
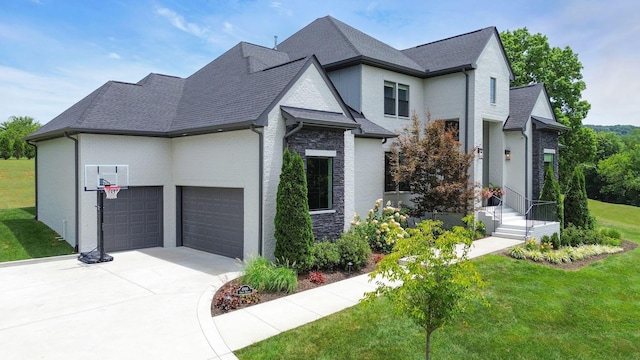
<point x="534" y="211"/>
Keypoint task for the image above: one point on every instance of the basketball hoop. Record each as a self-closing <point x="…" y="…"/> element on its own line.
<point x="111" y="191"/>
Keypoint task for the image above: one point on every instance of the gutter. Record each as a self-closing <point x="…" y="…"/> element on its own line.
<point x="260" y="185"/>
<point x="290" y="133"/>
<point x="466" y="111"/>
<point x="35" y="185"/>
<point x="77" y="186"/>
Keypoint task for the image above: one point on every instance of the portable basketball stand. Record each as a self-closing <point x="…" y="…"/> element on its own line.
<point x="110" y="189"/>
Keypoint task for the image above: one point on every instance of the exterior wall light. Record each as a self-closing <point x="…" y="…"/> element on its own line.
<point x="480" y="152"/>
<point x="507" y="154"/>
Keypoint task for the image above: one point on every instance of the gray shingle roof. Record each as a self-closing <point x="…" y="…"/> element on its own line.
<point x="116" y="107"/>
<point x="368" y="128"/>
<point x="454" y="53"/>
<point x="521" y="102"/>
<point x="337" y="44"/>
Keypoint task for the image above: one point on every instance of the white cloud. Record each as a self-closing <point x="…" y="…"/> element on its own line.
<point x="281" y="9"/>
<point x="179" y="22"/>
<point x="114" y="56"/>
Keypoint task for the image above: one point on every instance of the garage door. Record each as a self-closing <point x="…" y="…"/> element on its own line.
<point x="213" y="220"/>
<point x="134" y="219"/>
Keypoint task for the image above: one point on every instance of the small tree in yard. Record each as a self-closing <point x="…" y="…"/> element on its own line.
<point x="576" y="207"/>
<point x="551" y="192"/>
<point x="429" y="159"/>
<point x="6" y="146"/>
<point x="293" y="227"/>
<point x="425" y="277"/>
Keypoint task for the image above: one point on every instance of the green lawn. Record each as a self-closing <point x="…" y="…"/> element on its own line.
<point x="22" y="237"/>
<point x="17" y="187"/>
<point x="536" y="313"/>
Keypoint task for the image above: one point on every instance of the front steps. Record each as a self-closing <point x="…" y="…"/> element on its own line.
<point x="513" y="226"/>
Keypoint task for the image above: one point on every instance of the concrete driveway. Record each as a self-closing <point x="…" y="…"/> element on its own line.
<point x="146" y="304"/>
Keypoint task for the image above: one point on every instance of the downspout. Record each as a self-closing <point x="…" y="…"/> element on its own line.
<point x="35" y="183"/>
<point x="526" y="166"/>
<point x="466" y="111"/>
<point x="77" y="185"/>
<point x="260" y="185"/>
<point x="290" y="133"/>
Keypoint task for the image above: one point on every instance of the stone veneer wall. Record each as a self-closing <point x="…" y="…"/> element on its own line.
<point x="328" y="225"/>
<point x="542" y="140"/>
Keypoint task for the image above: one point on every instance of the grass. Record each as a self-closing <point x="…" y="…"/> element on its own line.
<point x="536" y="312"/>
<point x="22" y="237"/>
<point x="17" y="183"/>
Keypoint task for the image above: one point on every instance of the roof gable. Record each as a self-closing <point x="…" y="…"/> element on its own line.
<point x="522" y="101"/>
<point x="337" y="44"/>
<point x="455" y="53"/>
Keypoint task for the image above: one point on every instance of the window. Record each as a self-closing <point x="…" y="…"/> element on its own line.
<point x="548" y="161"/>
<point x="403" y="100"/>
<point x="389" y="183"/>
<point x="320" y="183"/>
<point x="389" y="98"/>
<point x="455" y="125"/>
<point x="396" y="97"/>
<point x="492" y="91"/>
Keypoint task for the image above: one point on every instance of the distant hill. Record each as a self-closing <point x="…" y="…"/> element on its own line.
<point x="618" y="129"/>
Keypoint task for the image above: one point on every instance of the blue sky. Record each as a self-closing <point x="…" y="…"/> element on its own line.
<point x="55" y="52"/>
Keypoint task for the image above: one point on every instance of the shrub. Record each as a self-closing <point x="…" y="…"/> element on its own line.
<point x="316" y="277"/>
<point x="353" y="249"/>
<point x="293" y="227"/>
<point x="325" y="255"/>
<point x="573" y="236"/>
<point x="382" y="227"/>
<point x="517" y="252"/>
<point x="531" y="244"/>
<point x="612" y="233"/>
<point x="555" y="240"/>
<point x="576" y="208"/>
<point x="551" y="192"/>
<point x="480" y="230"/>
<point x="263" y="275"/>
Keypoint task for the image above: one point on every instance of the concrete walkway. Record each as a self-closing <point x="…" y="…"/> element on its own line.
<point x="244" y="327"/>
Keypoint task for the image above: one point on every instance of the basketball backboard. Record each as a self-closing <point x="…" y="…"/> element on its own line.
<point x="97" y="176"/>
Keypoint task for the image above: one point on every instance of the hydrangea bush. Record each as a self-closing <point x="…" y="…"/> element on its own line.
<point x="382" y="227"/>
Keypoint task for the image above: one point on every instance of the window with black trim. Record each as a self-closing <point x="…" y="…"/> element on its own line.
<point x="396" y="99"/>
<point x="320" y="183"/>
<point x="403" y="100"/>
<point x="389" y="183"/>
<point x="389" y="98"/>
<point x="492" y="90"/>
<point x="453" y="124"/>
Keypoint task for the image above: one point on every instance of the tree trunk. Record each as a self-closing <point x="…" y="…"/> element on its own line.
<point x="428" y="345"/>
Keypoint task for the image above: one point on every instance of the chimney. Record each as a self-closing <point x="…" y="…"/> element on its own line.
<point x="275" y="42"/>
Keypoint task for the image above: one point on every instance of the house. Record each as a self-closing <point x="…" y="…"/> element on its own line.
<point x="204" y="152"/>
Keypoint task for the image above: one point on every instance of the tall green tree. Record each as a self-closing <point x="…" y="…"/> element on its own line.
<point x="621" y="177"/>
<point x="293" y="226"/>
<point x="428" y="158"/>
<point x="17" y="128"/>
<point x="6" y="146"/>
<point x="428" y="281"/>
<point x="533" y="60"/>
<point x="551" y="192"/>
<point x="576" y="207"/>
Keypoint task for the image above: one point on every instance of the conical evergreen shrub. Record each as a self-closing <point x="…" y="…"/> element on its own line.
<point x="576" y="207"/>
<point x="293" y="227"/>
<point x="551" y="192"/>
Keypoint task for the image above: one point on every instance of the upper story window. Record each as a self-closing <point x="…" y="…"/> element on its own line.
<point x="396" y="99"/>
<point x="492" y="90"/>
<point x="389" y="98"/>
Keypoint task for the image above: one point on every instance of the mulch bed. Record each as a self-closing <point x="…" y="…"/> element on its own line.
<point x="577" y="265"/>
<point x="303" y="284"/>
